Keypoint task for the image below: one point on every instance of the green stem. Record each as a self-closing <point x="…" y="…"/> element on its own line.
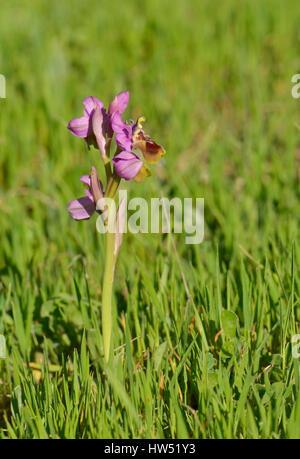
<point x="108" y="279"/>
<point x="107" y="169"/>
<point x="109" y="270"/>
<point x="112" y="186"/>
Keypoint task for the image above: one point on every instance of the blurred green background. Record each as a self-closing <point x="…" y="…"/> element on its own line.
<point x="213" y="80"/>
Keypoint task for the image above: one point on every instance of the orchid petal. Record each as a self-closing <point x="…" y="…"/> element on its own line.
<point x="86" y="179"/>
<point x="119" y="103"/>
<point x="97" y="123"/>
<point x="96" y="190"/>
<point x="81" y="208"/>
<point x="79" y="127"/>
<point x="123" y="132"/>
<point x="90" y="103"/>
<point x="117" y="123"/>
<point x="124" y="141"/>
<point x="127" y="164"/>
<point x="89" y="194"/>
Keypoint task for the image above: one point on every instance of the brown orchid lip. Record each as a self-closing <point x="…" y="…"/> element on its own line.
<point x="151" y="150"/>
<point x="143" y="173"/>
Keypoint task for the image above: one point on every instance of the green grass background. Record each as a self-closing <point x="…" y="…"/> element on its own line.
<point x="213" y="80"/>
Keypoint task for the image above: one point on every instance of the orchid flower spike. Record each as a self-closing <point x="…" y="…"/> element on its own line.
<point x="97" y="127"/>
